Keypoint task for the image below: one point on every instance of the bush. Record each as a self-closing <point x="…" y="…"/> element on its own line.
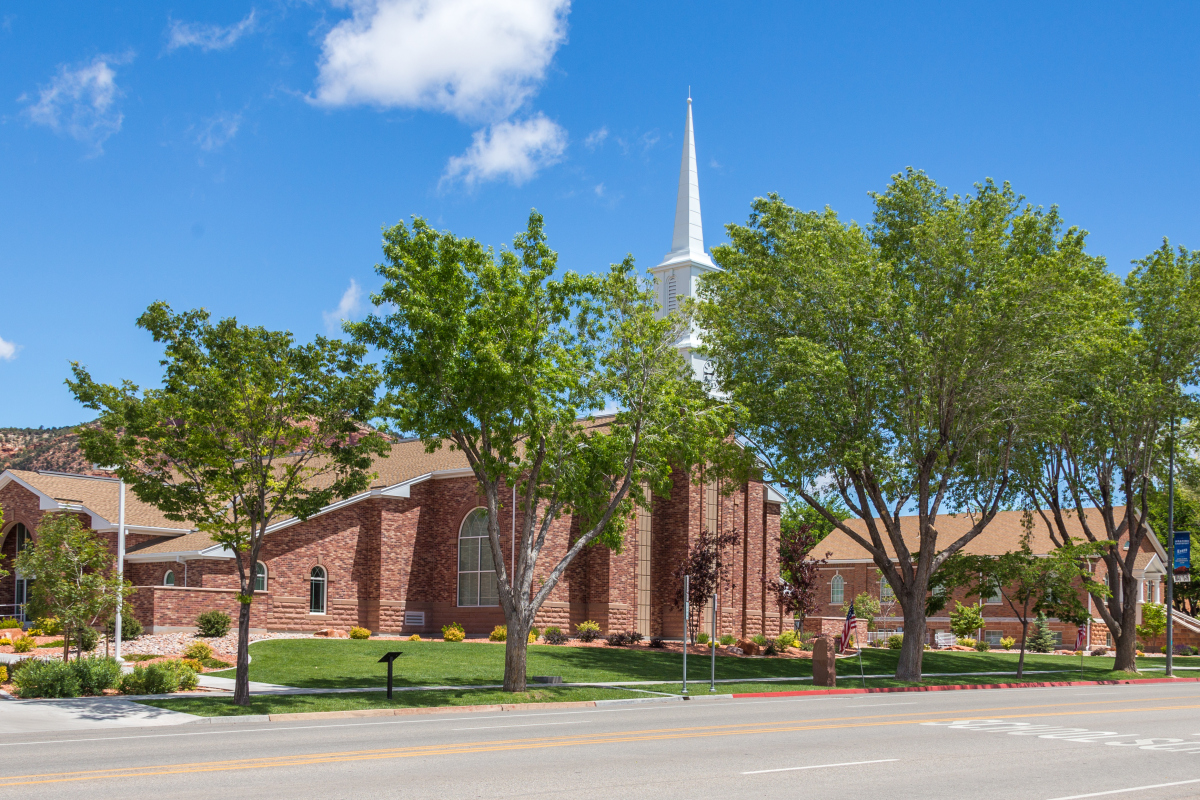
<point x="535" y="632"/>
<point x="130" y="627"/>
<point x="211" y="624"/>
<point x="49" y="626"/>
<point x="617" y="640"/>
<point x="587" y="631"/>
<point x="198" y="651"/>
<point x="85" y="638"/>
<point x="982" y="646"/>
<point x="416" y="637"/>
<point x="633" y="637"/>
<point x="728" y="639"/>
<point x="162" y="677"/>
<point x="759" y="640"/>
<point x="895" y="641"/>
<point x="9" y="622"/>
<point x="771" y="649"/>
<point x="46" y="679"/>
<point x="702" y="638"/>
<point x="3" y="674"/>
<point x="533" y="636"/>
<point x="23" y="644"/>
<point x="1007" y="642"/>
<point x="215" y="663"/>
<point x="554" y="635"/>
<point x="192" y="664"/>
<point x="96" y="674"/>
<point x="656" y="642"/>
<point x="965" y="620"/>
<point x="498" y="634"/>
<point x="453" y="632"/>
<point x="786" y="639"/>
<point x="359" y="633"/>
<point x="966" y="641"/>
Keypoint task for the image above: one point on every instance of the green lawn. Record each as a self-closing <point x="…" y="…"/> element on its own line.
<point x="353" y="701"/>
<point x="347" y="663"/>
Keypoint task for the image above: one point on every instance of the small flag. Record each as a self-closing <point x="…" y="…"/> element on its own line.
<point x="1080" y="637"/>
<point x="850" y="620"/>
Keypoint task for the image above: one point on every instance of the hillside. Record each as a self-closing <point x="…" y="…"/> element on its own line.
<point x="55" y="449"/>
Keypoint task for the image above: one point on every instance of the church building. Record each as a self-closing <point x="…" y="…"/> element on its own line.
<point x="410" y="554"/>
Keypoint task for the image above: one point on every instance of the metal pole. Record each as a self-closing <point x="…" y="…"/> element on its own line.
<point x="1171" y="538"/>
<point x="686" y="587"/>
<point x="389" y="680"/>
<point x="120" y="567"/>
<point x="712" y="646"/>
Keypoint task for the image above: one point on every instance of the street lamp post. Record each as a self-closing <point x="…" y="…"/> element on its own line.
<point x="1171" y="567"/>
<point x="120" y="567"/>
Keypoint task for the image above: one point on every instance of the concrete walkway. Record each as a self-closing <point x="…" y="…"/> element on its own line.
<point x="83" y="714"/>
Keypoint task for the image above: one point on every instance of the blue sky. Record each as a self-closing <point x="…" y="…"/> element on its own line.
<point x="243" y="156"/>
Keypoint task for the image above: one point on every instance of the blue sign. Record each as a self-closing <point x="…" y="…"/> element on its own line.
<point x="1183" y="550"/>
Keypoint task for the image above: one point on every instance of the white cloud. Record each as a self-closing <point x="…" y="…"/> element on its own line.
<point x="81" y="101"/>
<point x="205" y="36"/>
<point x="8" y="350"/>
<point x="475" y="59"/>
<point x="596" y="138"/>
<point x="599" y="190"/>
<point x="348" y="306"/>
<point x="218" y="130"/>
<point x="512" y="150"/>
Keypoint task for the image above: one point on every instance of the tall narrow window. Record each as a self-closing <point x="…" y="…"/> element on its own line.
<point x="169" y="578"/>
<point x="316" y="591"/>
<point x="994" y="598"/>
<point x="643" y="567"/>
<point x="260" y="577"/>
<point x="886" y="595"/>
<point x="837" y="589"/>
<point x="476" y="571"/>
<point x="21" y="534"/>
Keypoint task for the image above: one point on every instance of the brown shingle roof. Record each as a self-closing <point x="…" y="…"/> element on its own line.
<point x="100" y="496"/>
<point x="188" y="543"/>
<point x="1003" y="534"/>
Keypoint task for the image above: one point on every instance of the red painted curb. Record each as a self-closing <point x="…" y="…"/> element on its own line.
<point x="964" y="687"/>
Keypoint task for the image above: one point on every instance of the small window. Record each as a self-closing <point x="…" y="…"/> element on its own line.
<point x="837" y="589"/>
<point x="169" y="578"/>
<point x="1108" y="640"/>
<point x="22" y="536"/>
<point x="993" y="637"/>
<point x="316" y="590"/>
<point x="260" y="577"/>
<point x="886" y="595"/>
<point x="1057" y="638"/>
<point x="994" y="599"/>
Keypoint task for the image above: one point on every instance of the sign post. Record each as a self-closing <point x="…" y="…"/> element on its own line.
<point x="1180" y="573"/>
<point x="388" y="658"/>
<point x="685" y="630"/>
<point x="712" y="646"/>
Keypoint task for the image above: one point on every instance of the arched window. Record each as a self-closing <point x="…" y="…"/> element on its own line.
<point x="316" y="591"/>
<point x="837" y="590"/>
<point x="169" y="578"/>
<point x="476" y="571"/>
<point x="886" y="595"/>
<point x="260" y="577"/>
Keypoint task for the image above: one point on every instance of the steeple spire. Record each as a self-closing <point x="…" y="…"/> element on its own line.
<point x="687" y="241"/>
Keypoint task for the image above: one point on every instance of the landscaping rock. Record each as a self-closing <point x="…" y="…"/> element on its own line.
<point x="824" y="663"/>
<point x="748" y="647"/>
<point x="332" y="633"/>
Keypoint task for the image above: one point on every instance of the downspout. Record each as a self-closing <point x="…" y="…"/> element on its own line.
<point x="179" y="560"/>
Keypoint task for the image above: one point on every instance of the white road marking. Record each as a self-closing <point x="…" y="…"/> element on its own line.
<point x="820" y="766"/>
<point x="883" y="705"/>
<point x="526" y="725"/>
<point x="1130" y="789"/>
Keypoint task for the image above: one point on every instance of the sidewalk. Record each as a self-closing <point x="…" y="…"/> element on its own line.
<point x="83" y="714"/>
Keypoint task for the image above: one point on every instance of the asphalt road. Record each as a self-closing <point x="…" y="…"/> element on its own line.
<point x="1134" y="741"/>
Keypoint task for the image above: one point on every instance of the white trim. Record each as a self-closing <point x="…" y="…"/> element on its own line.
<point x="772" y="495"/>
<point x="99" y="521"/>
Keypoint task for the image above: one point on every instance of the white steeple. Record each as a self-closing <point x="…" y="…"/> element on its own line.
<point x="678" y="274"/>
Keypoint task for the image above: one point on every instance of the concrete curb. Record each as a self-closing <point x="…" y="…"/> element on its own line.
<point x="964" y="687"/>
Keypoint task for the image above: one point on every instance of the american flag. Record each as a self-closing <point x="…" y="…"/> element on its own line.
<point x="850" y="620"/>
<point x="1080" y="637"/>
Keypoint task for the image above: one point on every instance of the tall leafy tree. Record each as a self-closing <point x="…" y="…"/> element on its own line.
<point x="897" y="365"/>
<point x="248" y="430"/>
<point x="708" y="565"/>
<point x="489" y="353"/>
<point x="73" y="575"/>
<point x="1107" y="441"/>
<point x="800" y="576"/>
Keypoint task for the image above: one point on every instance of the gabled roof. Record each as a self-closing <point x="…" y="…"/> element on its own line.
<point x="1003" y="534"/>
<point x="97" y="497"/>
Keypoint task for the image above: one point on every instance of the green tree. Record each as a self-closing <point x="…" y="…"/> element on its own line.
<point x="866" y="607"/>
<point x="486" y="352"/>
<point x="1042" y="640"/>
<point x="795" y="515"/>
<point x="966" y="621"/>
<point x="899" y="365"/>
<point x="248" y="430"/>
<point x="72" y="575"/>
<point x="1106" y="445"/>
<point x="1154" y="620"/>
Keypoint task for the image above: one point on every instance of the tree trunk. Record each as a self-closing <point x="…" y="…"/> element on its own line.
<point x="241" y="689"/>
<point x="515" y="649"/>
<point x="67" y="643"/>
<point x="1126" y="642"/>
<point x="912" y="650"/>
<point x="1021" y="658"/>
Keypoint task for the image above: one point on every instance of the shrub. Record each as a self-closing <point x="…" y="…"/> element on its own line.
<point x="96" y="674"/>
<point x="588" y="631"/>
<point x="554" y="635"/>
<point x="1099" y="651"/>
<point x="728" y="639"/>
<point x="85" y="638"/>
<point x="536" y="633"/>
<point x="965" y="620"/>
<point x="1007" y="642"/>
<point x="771" y="649"/>
<point x="453" y="632"/>
<point x="23" y="644"/>
<point x="498" y="634"/>
<point x="198" y="651"/>
<point x="3" y="674"/>
<point x="702" y="638"/>
<point x="215" y="663"/>
<point x="1042" y="640"/>
<point x="56" y="643"/>
<point x="416" y="637"/>
<point x="982" y="646"/>
<point x="786" y="639"/>
<point x="211" y="624"/>
<point x="533" y="636"/>
<point x="359" y="633"/>
<point x="9" y="622"/>
<point x="656" y="642"/>
<point x="633" y="637"/>
<point x="193" y="665"/>
<point x="966" y="641"/>
<point x="159" y="678"/>
<point x="759" y="640"/>
<point x="130" y="627"/>
<point x="46" y="679"/>
<point x="895" y="641"/>
<point x="617" y="640"/>
<point x="49" y="626"/>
